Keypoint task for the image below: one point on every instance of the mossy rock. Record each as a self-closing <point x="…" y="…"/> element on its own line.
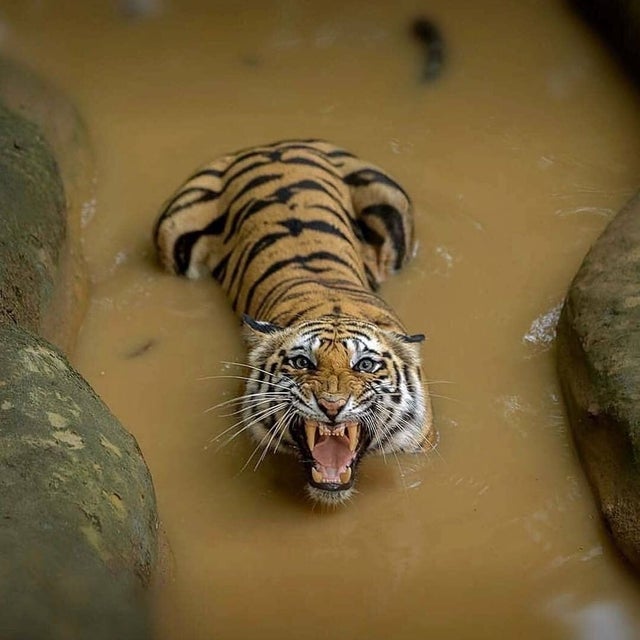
<point x="599" y="368"/>
<point x="77" y="508"/>
<point x="78" y="522"/>
<point x="47" y="178"/>
<point x="33" y="221"/>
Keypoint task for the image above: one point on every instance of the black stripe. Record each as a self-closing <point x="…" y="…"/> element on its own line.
<point x="242" y="172"/>
<point x="296" y="296"/>
<point x="249" y="152"/>
<point x="241" y="156"/>
<point x="282" y="195"/>
<point x="394" y="226"/>
<point x="253" y="250"/>
<point x="183" y="246"/>
<point x="206" y="196"/>
<point x="364" y="177"/>
<point x="340" y="153"/>
<point x="295" y="227"/>
<point x="253" y="184"/>
<point x="369" y="235"/>
<point x="206" y="172"/>
<point x="308" y="162"/>
<point x="265" y="306"/>
<point x="361" y="294"/>
<point x="371" y="279"/>
<point x="220" y="270"/>
<point x="346" y="221"/>
<point x="253" y="207"/>
<point x="406" y="373"/>
<point x="302" y="261"/>
<point x="407" y="416"/>
<point x="398" y="381"/>
<point x="234" y="273"/>
<point x="238" y="157"/>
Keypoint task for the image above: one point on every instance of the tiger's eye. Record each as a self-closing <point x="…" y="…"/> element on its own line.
<point x="301" y="362"/>
<point x="366" y="365"/>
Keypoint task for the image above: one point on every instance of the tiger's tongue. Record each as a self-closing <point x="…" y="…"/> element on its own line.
<point x="333" y="451"/>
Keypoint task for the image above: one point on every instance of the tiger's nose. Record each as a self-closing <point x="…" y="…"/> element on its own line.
<point x="331" y="406"/>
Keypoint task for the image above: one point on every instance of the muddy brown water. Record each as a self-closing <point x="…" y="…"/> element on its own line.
<point x="516" y="158"/>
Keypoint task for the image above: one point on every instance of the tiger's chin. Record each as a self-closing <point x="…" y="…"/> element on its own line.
<point x="331" y="498"/>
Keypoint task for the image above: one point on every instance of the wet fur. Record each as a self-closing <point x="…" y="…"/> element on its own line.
<point x="300" y="234"/>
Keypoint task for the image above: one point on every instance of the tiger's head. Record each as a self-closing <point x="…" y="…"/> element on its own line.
<point x="332" y="390"/>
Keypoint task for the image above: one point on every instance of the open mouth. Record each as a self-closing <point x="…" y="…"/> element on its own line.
<point x="333" y="451"/>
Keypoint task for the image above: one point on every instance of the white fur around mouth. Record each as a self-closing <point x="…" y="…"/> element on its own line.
<point x="333" y="449"/>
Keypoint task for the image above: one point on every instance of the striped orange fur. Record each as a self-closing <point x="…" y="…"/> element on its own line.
<point x="300" y="234"/>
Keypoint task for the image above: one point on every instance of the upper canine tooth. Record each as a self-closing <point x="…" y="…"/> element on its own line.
<point x="311" y="435"/>
<point x="352" y="431"/>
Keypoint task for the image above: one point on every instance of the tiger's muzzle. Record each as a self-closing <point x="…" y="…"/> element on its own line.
<point x="330" y="453"/>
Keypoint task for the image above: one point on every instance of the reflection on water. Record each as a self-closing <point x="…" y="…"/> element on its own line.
<point x="516" y="157"/>
<point x="593" y="621"/>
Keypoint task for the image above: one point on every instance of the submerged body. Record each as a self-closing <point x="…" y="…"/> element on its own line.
<point x="300" y="234"/>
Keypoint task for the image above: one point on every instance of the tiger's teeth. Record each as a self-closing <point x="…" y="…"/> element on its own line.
<point x="317" y="476"/>
<point x="324" y="431"/>
<point x="352" y="430"/>
<point x="339" y="431"/>
<point x="345" y="476"/>
<point x="311" y="435"/>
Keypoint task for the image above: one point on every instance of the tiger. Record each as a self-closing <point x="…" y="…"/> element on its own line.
<point x="300" y="234"/>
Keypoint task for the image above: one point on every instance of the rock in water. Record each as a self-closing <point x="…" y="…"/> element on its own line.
<point x="599" y="369"/>
<point x="78" y="522"/>
<point x="77" y="507"/>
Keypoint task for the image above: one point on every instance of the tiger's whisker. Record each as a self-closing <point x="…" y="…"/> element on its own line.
<point x="246" y="407"/>
<point x="242" y="399"/>
<point x="242" y="430"/>
<point x="245" y="378"/>
<point x="249" y="366"/>
<point x="257" y="448"/>
<point x="251" y="421"/>
<point x="276" y="428"/>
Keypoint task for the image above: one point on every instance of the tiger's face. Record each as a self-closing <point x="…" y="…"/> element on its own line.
<point x="333" y="390"/>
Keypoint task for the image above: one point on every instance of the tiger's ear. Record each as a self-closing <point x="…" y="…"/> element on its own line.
<point x="410" y="339"/>
<point x="254" y="327"/>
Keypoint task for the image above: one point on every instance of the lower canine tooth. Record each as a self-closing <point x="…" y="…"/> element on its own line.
<point x="345" y="476"/>
<point x="317" y="476"/>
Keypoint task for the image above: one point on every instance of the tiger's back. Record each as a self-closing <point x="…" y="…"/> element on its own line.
<point x="297" y="229"/>
<point x="300" y="234"/>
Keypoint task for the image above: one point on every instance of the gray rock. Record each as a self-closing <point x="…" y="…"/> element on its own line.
<point x="78" y="523"/>
<point x="599" y="368"/>
<point x="33" y="221"/>
<point x="77" y="508"/>
<point x="44" y="147"/>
